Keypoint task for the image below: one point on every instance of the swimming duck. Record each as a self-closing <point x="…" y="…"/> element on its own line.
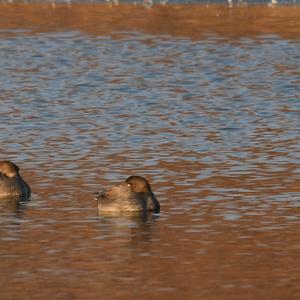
<point x="11" y="182"/>
<point x="134" y="194"/>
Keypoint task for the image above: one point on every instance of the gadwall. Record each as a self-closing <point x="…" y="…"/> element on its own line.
<point x="134" y="194"/>
<point x="11" y="182"/>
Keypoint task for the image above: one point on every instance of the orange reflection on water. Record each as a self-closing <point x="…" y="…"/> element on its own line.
<point x="192" y="21"/>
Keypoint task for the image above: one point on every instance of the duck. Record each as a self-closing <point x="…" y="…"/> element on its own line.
<point x="133" y="195"/>
<point x="11" y="181"/>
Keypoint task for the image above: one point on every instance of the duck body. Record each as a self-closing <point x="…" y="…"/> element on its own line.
<point x="134" y="194"/>
<point x="11" y="182"/>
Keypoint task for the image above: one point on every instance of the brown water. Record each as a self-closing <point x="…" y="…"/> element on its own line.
<point x="202" y="100"/>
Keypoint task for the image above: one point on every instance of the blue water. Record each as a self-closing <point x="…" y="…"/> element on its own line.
<point x="64" y="94"/>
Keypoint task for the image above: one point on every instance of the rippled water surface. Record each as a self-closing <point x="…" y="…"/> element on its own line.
<point x="201" y="100"/>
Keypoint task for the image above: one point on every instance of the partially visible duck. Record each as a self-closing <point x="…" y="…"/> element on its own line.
<point x="11" y="182"/>
<point x="134" y="194"/>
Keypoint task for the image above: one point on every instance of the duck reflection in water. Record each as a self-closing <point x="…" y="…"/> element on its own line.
<point x="133" y="195"/>
<point x="12" y="185"/>
<point x="129" y="228"/>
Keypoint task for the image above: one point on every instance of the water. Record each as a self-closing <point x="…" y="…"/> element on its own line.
<point x="203" y="101"/>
